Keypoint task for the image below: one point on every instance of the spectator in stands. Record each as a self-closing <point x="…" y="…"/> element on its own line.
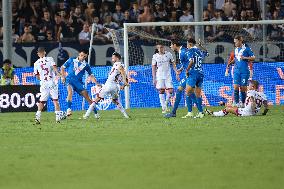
<point x="105" y="11"/>
<point x="160" y="13"/>
<point x="243" y="15"/>
<point x="7" y="73"/>
<point x="210" y="8"/>
<point x="206" y="15"/>
<point x="250" y="15"/>
<point x="208" y="33"/>
<point x="41" y="35"/>
<point x="15" y="36"/>
<point x="134" y="12"/>
<point x="228" y="7"/>
<point x="109" y="24"/>
<point x="49" y="36"/>
<point x="99" y="34"/>
<point x="147" y="15"/>
<point x="234" y="16"/>
<point x="34" y="25"/>
<point x="27" y="37"/>
<point x="173" y="16"/>
<point x="85" y="35"/>
<point x="176" y="8"/>
<point x="118" y="15"/>
<point x="47" y="21"/>
<point x="76" y="20"/>
<point x="187" y="16"/>
<point x="126" y="18"/>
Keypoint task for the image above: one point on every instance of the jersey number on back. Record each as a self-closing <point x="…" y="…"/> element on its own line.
<point x="46" y="73"/>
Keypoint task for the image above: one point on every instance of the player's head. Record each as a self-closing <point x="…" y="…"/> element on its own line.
<point x="253" y="85"/>
<point x="7" y="64"/>
<point x="41" y="52"/>
<point x="83" y="54"/>
<point x="160" y="47"/>
<point x="190" y="42"/>
<point x="116" y="57"/>
<point x="238" y="40"/>
<point x="175" y="45"/>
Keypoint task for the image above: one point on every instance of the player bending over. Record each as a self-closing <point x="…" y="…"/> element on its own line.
<point x="112" y="86"/>
<point x="253" y="103"/>
<point x="161" y="73"/>
<point x="46" y="71"/>
<point x="76" y="68"/>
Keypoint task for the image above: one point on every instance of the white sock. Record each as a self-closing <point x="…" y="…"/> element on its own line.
<point x="90" y="109"/>
<point x="162" y="100"/>
<point x="121" y="109"/>
<point x="168" y="97"/>
<point x="38" y="114"/>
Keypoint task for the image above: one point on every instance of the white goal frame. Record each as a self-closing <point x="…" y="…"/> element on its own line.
<point x="125" y="36"/>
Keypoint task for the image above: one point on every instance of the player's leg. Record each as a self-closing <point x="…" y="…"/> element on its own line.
<point x="44" y="94"/>
<point x="199" y="82"/>
<point x="169" y="91"/>
<point x="243" y="87"/>
<point x="69" y="99"/>
<point x="85" y="94"/>
<point x="59" y="115"/>
<point x="237" y="82"/>
<point x="178" y="98"/>
<point x="120" y="107"/>
<point x="161" y="88"/>
<point x="226" y="111"/>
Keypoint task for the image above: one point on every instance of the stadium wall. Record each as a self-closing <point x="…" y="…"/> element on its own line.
<point x="216" y="86"/>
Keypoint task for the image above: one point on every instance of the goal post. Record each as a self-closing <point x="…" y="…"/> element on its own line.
<point x="140" y="31"/>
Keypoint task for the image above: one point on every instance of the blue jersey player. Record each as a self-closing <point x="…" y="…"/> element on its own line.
<point x="183" y="58"/>
<point x="76" y="68"/>
<point x="195" y="76"/>
<point x="243" y="55"/>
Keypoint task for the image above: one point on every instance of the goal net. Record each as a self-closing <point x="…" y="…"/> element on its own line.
<point x="136" y="42"/>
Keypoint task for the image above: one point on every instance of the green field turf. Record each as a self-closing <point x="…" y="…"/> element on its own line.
<point x="147" y="151"/>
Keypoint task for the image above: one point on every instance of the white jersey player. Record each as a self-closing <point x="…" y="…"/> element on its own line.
<point x="253" y="103"/>
<point x="45" y="70"/>
<point x="112" y="86"/>
<point x="161" y="73"/>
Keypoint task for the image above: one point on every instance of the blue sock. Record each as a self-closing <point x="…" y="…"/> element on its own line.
<point x="69" y="104"/>
<point x="95" y="109"/>
<point x="193" y="98"/>
<point x="236" y="96"/>
<point x="189" y="103"/>
<point x="199" y="104"/>
<point x="243" y="96"/>
<point x="177" y="101"/>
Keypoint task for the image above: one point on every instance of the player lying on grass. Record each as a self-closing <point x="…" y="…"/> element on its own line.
<point x="112" y="86"/>
<point x="76" y="68"/>
<point x="45" y="70"/>
<point x="253" y="103"/>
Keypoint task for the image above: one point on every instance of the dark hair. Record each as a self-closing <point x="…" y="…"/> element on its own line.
<point x="255" y="83"/>
<point x="40" y="49"/>
<point x="117" y="55"/>
<point x="84" y="51"/>
<point x="7" y="61"/>
<point x="176" y="42"/>
<point x="239" y="37"/>
<point x="191" y="40"/>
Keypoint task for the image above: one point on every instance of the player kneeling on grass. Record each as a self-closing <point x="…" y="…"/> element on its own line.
<point x="253" y="103"/>
<point x="112" y="86"/>
<point x="45" y="70"/>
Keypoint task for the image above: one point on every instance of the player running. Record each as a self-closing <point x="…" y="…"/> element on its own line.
<point x="45" y="70"/>
<point x="253" y="103"/>
<point x="243" y="55"/>
<point x="76" y="68"/>
<point x="195" y="76"/>
<point x="161" y="73"/>
<point x="116" y="80"/>
<point x="177" y="47"/>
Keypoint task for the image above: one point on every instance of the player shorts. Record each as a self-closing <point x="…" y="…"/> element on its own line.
<point x="48" y="89"/>
<point x="164" y="83"/>
<point x="76" y="85"/>
<point x="195" y="80"/>
<point x="182" y="83"/>
<point x="241" y="79"/>
<point x="111" y="89"/>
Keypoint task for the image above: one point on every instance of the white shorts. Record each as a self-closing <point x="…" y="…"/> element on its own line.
<point x="109" y="89"/>
<point x="164" y="83"/>
<point x="246" y="111"/>
<point x="48" y="89"/>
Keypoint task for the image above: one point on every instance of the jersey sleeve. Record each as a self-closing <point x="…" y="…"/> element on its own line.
<point x="67" y="63"/>
<point x="36" y="70"/>
<point x="51" y="60"/>
<point x="249" y="51"/>
<point x="154" y="62"/>
<point x="88" y="69"/>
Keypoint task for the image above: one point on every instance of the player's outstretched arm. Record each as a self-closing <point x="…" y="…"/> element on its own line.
<point x="124" y="77"/>
<point x="93" y="79"/>
<point x="265" y="104"/>
<point x="188" y="67"/>
<point x="63" y="76"/>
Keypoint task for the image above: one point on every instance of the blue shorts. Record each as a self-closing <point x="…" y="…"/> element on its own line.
<point x="195" y="80"/>
<point x="76" y="85"/>
<point x="182" y="83"/>
<point x="241" y="79"/>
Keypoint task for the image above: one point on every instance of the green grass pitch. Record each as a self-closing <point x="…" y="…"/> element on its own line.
<point x="144" y="152"/>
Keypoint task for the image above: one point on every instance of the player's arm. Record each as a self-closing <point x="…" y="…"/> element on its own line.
<point x="250" y="56"/>
<point x="250" y="69"/>
<point x="200" y="45"/>
<point x="154" y="70"/>
<point x="63" y="70"/>
<point x="265" y="104"/>
<point x="36" y="72"/>
<point x="124" y="77"/>
<point x="91" y="75"/>
<point x="189" y="66"/>
<point x="230" y="62"/>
